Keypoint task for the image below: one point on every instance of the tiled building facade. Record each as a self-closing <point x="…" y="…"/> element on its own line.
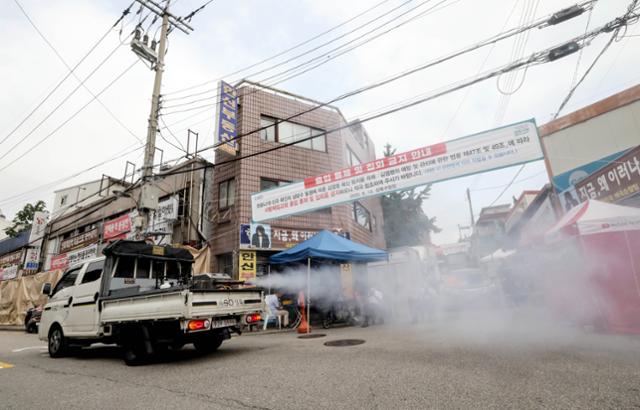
<point x="235" y="182"/>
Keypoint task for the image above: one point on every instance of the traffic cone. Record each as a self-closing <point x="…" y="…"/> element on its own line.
<point x="304" y="325"/>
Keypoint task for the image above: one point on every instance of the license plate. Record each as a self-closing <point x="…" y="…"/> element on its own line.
<point x="223" y="323"/>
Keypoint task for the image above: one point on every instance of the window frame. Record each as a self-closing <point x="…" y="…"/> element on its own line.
<point x="277" y="138"/>
<point x="277" y="182"/>
<point x="91" y="269"/>
<point x="368" y="223"/>
<point x="230" y="199"/>
<point x="64" y="277"/>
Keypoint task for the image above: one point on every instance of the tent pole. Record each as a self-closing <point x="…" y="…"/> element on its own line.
<point x="633" y="265"/>
<point x="308" y="295"/>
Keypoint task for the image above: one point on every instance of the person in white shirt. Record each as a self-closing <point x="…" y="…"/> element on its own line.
<point x="275" y="307"/>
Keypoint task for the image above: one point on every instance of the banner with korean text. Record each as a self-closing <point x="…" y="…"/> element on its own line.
<point x="226" y="118"/>
<point x="486" y="151"/>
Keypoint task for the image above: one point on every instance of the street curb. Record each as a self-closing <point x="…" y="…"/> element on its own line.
<point x="14" y="328"/>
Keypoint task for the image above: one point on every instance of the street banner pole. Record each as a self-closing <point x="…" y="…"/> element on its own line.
<point x="308" y="295"/>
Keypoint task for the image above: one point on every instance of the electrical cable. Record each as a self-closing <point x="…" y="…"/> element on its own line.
<point x="541" y="57"/>
<point x="69" y="118"/>
<point x="491" y="40"/>
<point x="508" y="185"/>
<point x="61" y="103"/>
<point x="278" y="54"/>
<point x="322" y="58"/>
<point x="124" y="13"/>
<point x="297" y="56"/>
<point x="120" y="154"/>
<point x="74" y="74"/>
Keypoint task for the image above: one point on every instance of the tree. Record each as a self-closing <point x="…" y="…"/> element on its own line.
<point x="24" y="218"/>
<point x="405" y="223"/>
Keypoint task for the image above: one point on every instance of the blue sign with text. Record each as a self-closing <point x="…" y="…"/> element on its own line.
<point x="227" y="118"/>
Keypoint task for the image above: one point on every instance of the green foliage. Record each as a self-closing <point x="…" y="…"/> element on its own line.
<point x="24" y="218"/>
<point x="405" y="223"/>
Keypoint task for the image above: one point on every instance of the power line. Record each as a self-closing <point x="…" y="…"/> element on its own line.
<point x="69" y="118"/>
<point x="18" y="197"/>
<point x="277" y="54"/>
<point x="322" y="58"/>
<point x="491" y="40"/>
<point x="60" y="104"/>
<point x="509" y="184"/>
<point x="124" y="13"/>
<point x="44" y="38"/>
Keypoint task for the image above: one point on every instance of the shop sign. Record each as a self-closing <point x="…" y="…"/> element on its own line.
<point x="9" y="272"/>
<point x="32" y="259"/>
<point x="79" y="240"/>
<point x="65" y="260"/>
<point x="38" y="227"/>
<point x="615" y="182"/>
<point x="346" y="279"/>
<point x="116" y="228"/>
<point x="167" y="211"/>
<point x="247" y="265"/>
<point x="490" y="150"/>
<point x="290" y="237"/>
<point x="13" y="258"/>
<point x="227" y="118"/>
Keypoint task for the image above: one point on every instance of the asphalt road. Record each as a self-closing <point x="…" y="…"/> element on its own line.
<point x="473" y="364"/>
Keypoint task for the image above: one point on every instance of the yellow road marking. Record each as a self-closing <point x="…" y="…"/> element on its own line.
<point x="4" y="365"/>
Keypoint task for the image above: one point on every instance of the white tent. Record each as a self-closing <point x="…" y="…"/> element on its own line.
<point x="596" y="217"/>
<point x="497" y="255"/>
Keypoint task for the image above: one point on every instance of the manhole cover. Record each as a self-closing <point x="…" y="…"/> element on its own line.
<point x="312" y="336"/>
<point x="344" y="342"/>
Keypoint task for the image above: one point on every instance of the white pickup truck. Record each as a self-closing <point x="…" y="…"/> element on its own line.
<point x="144" y="298"/>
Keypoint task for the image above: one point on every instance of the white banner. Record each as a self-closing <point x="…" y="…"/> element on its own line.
<point x="82" y="255"/>
<point x="38" y="227"/>
<point x="486" y="151"/>
<point x="9" y="272"/>
<point x="32" y="259"/>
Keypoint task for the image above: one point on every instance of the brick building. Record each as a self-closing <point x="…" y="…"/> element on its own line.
<point x="234" y="182"/>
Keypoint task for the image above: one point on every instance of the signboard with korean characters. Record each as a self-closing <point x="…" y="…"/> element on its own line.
<point x="617" y="181"/>
<point x="65" y="260"/>
<point x="247" y="265"/>
<point x="79" y="241"/>
<point x="9" y="272"/>
<point x="13" y="258"/>
<point x="226" y="119"/>
<point x="506" y="146"/>
<point x="32" y="259"/>
<point x="289" y="237"/>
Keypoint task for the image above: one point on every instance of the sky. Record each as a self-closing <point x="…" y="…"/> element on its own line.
<point x="229" y="36"/>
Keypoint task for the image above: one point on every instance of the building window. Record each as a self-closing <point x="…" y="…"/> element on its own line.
<point x="268" y="134"/>
<point x="266" y="183"/>
<point x="225" y="263"/>
<point x="362" y="215"/>
<point x="226" y="193"/>
<point x="352" y="159"/>
<point x="287" y="132"/>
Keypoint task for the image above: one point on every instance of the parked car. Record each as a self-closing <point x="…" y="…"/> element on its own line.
<point x="468" y="288"/>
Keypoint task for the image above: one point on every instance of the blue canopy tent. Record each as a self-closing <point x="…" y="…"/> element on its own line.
<point x="327" y="245"/>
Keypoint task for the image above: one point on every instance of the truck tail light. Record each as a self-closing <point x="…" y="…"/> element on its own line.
<point x="198" y="324"/>
<point x="254" y="318"/>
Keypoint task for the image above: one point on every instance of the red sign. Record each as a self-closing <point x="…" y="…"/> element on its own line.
<point x="378" y="164"/>
<point x="116" y="227"/>
<point x="59" y="261"/>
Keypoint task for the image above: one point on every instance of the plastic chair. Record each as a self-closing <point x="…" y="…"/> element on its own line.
<point x="269" y="316"/>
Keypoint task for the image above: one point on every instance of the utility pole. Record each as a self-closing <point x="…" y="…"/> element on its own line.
<point x="473" y="221"/>
<point x="148" y="199"/>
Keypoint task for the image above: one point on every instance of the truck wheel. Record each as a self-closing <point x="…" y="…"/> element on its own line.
<point x="208" y="343"/>
<point x="57" y="345"/>
<point x="134" y="354"/>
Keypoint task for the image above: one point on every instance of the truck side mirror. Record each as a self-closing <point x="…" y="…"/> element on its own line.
<point x="46" y="289"/>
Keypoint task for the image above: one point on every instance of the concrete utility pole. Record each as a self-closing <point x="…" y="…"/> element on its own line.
<point x="147" y="168"/>
<point x="148" y="200"/>
<point x="473" y="221"/>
